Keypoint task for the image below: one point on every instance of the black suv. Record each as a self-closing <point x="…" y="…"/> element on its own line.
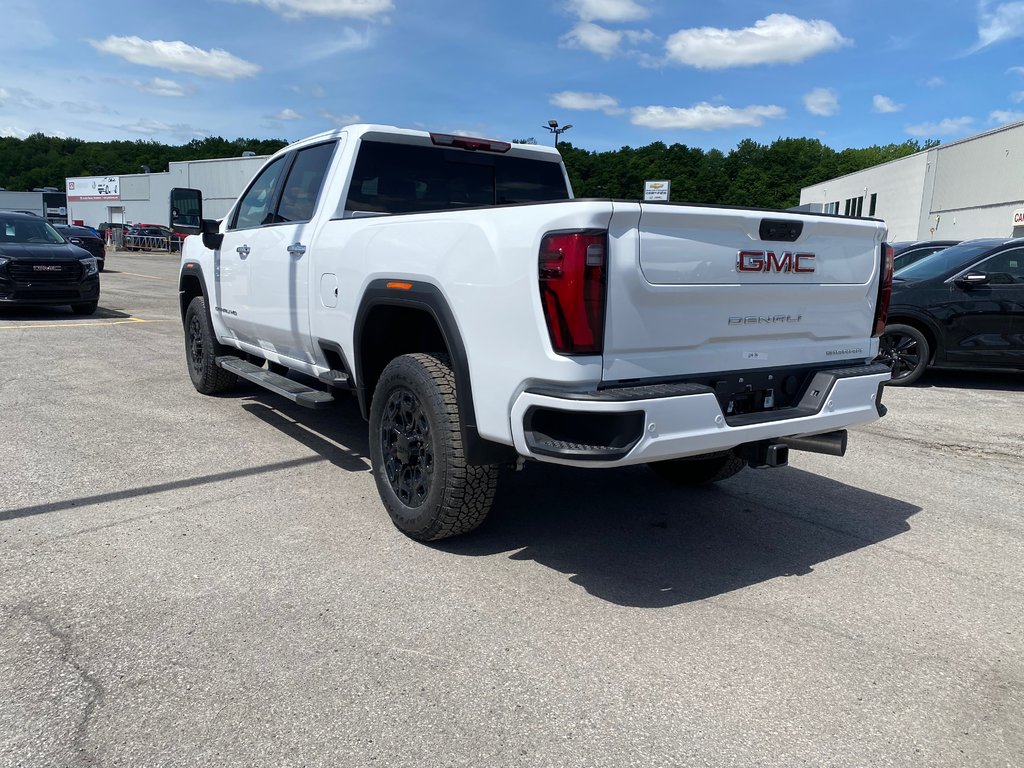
<point x="962" y="307"/>
<point x="85" y="238"/>
<point x="910" y="252"/>
<point x="38" y="266"/>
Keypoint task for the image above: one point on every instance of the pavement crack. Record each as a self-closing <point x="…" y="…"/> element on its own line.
<point x="96" y="693"/>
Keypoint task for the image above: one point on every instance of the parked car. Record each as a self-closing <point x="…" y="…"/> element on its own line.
<point x="38" y="266"/>
<point x="907" y="253"/>
<point x="962" y="307"/>
<point x="84" y="237"/>
<point x="146" y="237"/>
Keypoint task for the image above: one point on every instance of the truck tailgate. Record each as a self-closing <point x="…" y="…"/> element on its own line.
<point x="694" y="289"/>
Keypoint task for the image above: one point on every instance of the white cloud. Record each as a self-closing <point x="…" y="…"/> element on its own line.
<point x="578" y="100"/>
<point x="27" y="29"/>
<point x="348" y="40"/>
<point x="1003" y="117"/>
<point x="22" y="99"/>
<point x="1016" y="70"/>
<point x="951" y="126"/>
<point x="822" y="101"/>
<point x="158" y="86"/>
<point x="85" y="108"/>
<point x="340" y="120"/>
<point x="1002" y="22"/>
<point x="1017" y="97"/>
<point x="151" y="127"/>
<point x="935" y="82"/>
<point x="885" y="105"/>
<point x="286" y="114"/>
<point x="177" y="56"/>
<point x="11" y="132"/>
<point x="704" y="116"/>
<point x="352" y="9"/>
<point x="593" y="38"/>
<point x="608" y="10"/>
<point x="776" y="39"/>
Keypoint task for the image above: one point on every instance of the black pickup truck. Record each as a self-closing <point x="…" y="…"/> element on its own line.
<point x="38" y="266"/>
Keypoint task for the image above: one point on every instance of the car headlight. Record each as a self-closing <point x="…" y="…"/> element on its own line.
<point x="89" y="267"/>
<point x="4" y="261"/>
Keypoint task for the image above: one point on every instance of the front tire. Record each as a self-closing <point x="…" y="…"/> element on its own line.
<point x="417" y="455"/>
<point x="906" y="351"/>
<point x="699" y="470"/>
<point x="202" y="350"/>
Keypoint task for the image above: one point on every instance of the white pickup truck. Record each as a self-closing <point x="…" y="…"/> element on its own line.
<point x="483" y="317"/>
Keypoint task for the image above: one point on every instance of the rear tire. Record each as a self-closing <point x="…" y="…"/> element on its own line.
<point x="202" y="350"/>
<point x="417" y="455"/>
<point x="699" y="470"/>
<point x="907" y="353"/>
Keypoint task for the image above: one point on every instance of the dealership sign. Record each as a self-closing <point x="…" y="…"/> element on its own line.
<point x="1018" y="217"/>
<point x="94" y="188"/>
<point x="657" y="190"/>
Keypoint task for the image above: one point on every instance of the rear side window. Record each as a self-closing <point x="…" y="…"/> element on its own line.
<point x="401" y="178"/>
<point x="298" y="198"/>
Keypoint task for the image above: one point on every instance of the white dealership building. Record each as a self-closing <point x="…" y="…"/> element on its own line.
<point x="144" y="198"/>
<point x="969" y="188"/>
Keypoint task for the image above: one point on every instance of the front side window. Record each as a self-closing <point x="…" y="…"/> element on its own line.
<point x="298" y="198"/>
<point x="1005" y="268"/>
<point x="256" y="207"/>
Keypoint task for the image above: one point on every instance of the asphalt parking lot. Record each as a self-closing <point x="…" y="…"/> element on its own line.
<point x="188" y="581"/>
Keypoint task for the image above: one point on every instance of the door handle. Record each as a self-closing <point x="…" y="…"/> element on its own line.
<point x="296" y="249"/>
<point x="242" y="250"/>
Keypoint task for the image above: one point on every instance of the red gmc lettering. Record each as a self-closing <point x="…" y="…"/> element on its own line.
<point x="768" y="261"/>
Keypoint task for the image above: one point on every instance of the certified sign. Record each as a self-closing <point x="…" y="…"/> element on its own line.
<point x="657" y="190"/>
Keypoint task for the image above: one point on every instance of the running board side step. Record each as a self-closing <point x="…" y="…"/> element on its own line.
<point x="280" y="385"/>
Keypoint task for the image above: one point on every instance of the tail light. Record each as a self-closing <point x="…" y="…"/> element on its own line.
<point x="573" y="266"/>
<point x="884" y="290"/>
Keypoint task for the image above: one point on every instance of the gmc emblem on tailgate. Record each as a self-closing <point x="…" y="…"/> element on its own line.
<point x="46" y="268"/>
<point x="768" y="261"/>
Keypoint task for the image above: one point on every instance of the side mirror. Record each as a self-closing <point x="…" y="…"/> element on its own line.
<point x="212" y="237"/>
<point x="186" y="210"/>
<point x="973" y="280"/>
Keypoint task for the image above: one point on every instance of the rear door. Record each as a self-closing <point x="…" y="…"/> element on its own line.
<point x="694" y="289"/>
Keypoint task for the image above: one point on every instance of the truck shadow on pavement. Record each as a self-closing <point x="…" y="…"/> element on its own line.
<point x="625" y="535"/>
<point x="628" y="537"/>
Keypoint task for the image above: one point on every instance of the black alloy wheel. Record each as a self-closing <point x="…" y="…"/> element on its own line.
<point x="202" y="350"/>
<point x="905" y="350"/>
<point x="407" y="447"/>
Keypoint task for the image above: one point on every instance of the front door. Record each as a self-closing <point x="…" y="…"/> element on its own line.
<point x="986" y="322"/>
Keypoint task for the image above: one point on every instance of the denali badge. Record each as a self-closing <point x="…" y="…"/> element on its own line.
<point x="765" y="319"/>
<point x="767" y="261"/>
<point x="47" y="267"/>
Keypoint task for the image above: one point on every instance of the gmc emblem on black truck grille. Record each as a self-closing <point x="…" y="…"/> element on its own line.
<point x="768" y="261"/>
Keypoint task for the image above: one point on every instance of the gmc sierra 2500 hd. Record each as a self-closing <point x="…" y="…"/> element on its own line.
<point x="483" y="317"/>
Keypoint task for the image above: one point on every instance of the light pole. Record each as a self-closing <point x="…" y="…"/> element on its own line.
<point x="553" y="127"/>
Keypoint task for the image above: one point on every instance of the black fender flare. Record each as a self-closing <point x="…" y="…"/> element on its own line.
<point x="428" y="298"/>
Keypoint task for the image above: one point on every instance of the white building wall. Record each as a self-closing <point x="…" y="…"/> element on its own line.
<point x="966" y="189"/>
<point x="145" y="197"/>
<point x="899" y="186"/>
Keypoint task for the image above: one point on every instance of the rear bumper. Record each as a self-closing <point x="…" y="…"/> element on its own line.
<point x="618" y="427"/>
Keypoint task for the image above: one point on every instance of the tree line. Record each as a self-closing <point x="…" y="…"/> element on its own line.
<point x="751" y="174"/>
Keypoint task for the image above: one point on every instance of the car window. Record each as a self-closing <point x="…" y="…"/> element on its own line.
<point x="946" y="260"/>
<point x="254" y="209"/>
<point x="405" y="178"/>
<point x="301" y="189"/>
<point x="28" y="231"/>
<point x="1006" y="268"/>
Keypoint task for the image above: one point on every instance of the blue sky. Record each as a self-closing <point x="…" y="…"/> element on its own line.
<point x="622" y="72"/>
